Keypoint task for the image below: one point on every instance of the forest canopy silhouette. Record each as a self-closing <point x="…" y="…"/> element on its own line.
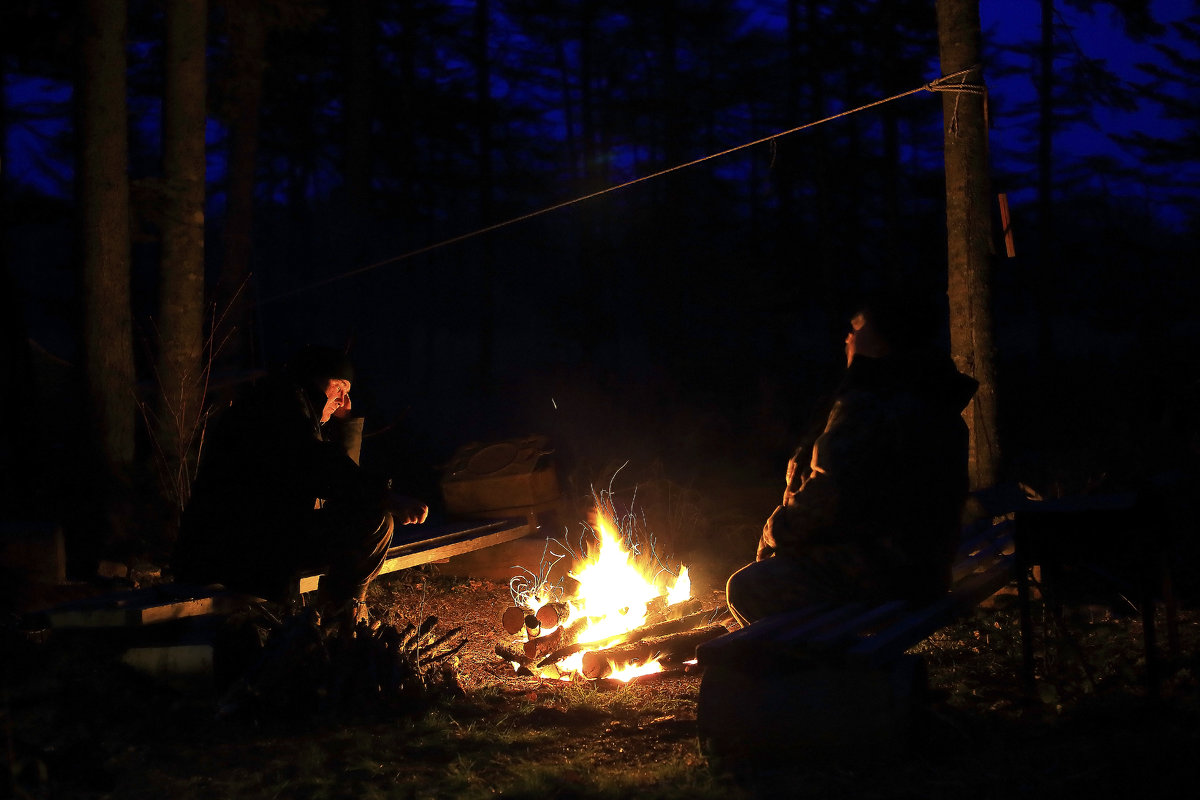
<point x="703" y="308"/>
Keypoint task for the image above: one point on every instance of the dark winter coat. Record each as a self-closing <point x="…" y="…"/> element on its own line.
<point x="264" y="464"/>
<point x="882" y="486"/>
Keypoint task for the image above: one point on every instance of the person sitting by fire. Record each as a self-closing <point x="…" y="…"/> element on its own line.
<point x="874" y="495"/>
<point x="279" y="491"/>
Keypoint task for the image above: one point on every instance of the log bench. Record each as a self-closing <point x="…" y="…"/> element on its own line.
<point x="832" y="675"/>
<point x="413" y="545"/>
<point x="168" y="630"/>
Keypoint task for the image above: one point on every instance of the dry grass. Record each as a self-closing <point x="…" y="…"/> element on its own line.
<point x="83" y="726"/>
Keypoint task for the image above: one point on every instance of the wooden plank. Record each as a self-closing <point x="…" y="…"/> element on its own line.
<point x="862" y="623"/>
<point x="140" y="607"/>
<point x="448" y="541"/>
<point x="803" y="633"/>
<point x="785" y="632"/>
<point x="984" y="567"/>
<point x="1001" y="531"/>
<point x="726" y="647"/>
<point x="982" y="559"/>
<point x="172" y="662"/>
<point x="407" y="535"/>
<point x="925" y="621"/>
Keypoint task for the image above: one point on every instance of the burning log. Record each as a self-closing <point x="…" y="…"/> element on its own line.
<point x="678" y="646"/>
<point x="551" y="614"/>
<point x="513" y="619"/>
<point x="614" y="684"/>
<point x="661" y="629"/>
<point x="572" y="631"/>
<point x="684" y="608"/>
<point x="657" y="609"/>
<point x="509" y="654"/>
<point x="536" y="648"/>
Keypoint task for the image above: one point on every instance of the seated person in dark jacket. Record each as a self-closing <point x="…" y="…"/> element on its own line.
<point x="873" y="502"/>
<point x="278" y="491"/>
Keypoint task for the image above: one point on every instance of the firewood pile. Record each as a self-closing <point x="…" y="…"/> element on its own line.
<point x="302" y="668"/>
<point x="549" y="643"/>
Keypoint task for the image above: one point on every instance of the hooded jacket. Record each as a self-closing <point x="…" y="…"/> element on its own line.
<point x="264" y="467"/>
<point x="886" y="477"/>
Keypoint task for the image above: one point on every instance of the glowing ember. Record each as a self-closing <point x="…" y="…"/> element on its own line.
<point x="615" y="584"/>
<point x="636" y="670"/>
<point x="611" y="590"/>
<point x="682" y="590"/>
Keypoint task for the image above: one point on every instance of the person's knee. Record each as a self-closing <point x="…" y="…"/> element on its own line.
<point x="384" y="526"/>
<point x="735" y="587"/>
<point x="741" y="591"/>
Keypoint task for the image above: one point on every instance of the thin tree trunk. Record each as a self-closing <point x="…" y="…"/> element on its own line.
<point x="181" y="286"/>
<point x="1043" y="283"/>
<point x="104" y="210"/>
<point x="829" y="285"/>
<point x="969" y="229"/>
<point x="247" y="40"/>
<point x="21" y="452"/>
<point x="487" y="267"/>
<point x="360" y="40"/>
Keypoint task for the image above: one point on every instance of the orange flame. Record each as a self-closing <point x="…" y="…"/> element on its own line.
<point x="613" y="594"/>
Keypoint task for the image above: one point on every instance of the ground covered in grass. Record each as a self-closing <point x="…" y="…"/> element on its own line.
<point x="79" y="724"/>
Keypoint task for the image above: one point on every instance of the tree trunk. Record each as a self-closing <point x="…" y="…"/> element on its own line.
<point x="181" y="286"/>
<point x="824" y="182"/>
<point x="21" y="450"/>
<point x="969" y="229"/>
<point x="487" y="266"/>
<point x="1044" y="281"/>
<point x="360" y="44"/>
<point x="104" y="212"/>
<point x="247" y="40"/>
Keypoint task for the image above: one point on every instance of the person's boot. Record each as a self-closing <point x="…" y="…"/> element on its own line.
<point x="344" y="616"/>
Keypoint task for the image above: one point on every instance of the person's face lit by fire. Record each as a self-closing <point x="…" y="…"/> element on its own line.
<point x="864" y="340"/>
<point x="337" y="399"/>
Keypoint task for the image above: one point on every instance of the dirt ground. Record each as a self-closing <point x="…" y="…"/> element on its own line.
<point x="78" y="724"/>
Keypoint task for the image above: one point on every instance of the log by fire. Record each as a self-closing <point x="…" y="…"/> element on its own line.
<point x="676" y="648"/>
<point x="627" y="615"/>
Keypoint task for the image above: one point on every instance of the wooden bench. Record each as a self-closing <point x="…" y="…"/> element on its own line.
<point x="1123" y="540"/>
<point x="424" y="544"/>
<point x="831" y="675"/>
<point x="168" y="630"/>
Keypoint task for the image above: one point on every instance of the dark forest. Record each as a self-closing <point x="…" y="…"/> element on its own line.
<point x="639" y="229"/>
<point x="401" y="178"/>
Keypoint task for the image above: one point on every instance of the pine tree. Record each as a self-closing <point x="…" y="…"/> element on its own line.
<point x="181" y="278"/>
<point x="969" y="229"/>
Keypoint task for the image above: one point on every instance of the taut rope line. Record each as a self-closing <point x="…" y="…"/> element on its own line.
<point x="938" y="85"/>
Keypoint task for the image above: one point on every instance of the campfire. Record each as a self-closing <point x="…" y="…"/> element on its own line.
<point x="619" y="613"/>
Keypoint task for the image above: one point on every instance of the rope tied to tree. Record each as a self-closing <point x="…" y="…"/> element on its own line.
<point x="942" y="84"/>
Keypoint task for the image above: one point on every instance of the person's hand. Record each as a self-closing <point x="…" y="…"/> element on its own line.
<point x="342" y="411"/>
<point x="766" y="543"/>
<point x="408" y="510"/>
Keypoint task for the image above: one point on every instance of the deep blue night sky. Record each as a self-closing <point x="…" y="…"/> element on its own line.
<point x="1098" y="34"/>
<point x="42" y="113"/>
